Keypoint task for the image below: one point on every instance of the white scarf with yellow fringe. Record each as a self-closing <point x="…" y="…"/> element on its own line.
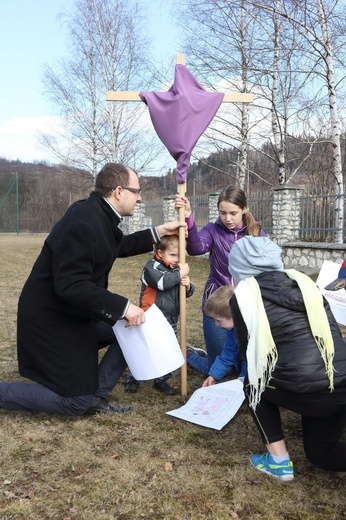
<point x="261" y="350"/>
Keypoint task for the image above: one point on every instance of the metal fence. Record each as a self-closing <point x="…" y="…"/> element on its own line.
<point x="154" y="211"/>
<point x="316" y="212"/>
<point x="260" y="205"/>
<point x="317" y="216"/>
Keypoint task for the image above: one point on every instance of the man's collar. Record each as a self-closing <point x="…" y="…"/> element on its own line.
<point x="113" y="208"/>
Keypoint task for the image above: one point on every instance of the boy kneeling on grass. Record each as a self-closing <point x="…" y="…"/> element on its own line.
<point x="217" y="307"/>
<point x="296" y="357"/>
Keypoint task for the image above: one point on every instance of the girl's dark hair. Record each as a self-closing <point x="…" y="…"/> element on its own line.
<point x="237" y="196"/>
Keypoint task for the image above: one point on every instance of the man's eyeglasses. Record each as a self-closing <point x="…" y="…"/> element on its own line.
<point x="137" y="191"/>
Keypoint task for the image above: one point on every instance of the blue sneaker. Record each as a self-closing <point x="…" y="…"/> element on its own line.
<point x="266" y="463"/>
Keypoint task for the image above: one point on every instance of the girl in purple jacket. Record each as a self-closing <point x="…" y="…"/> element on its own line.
<point x="217" y="238"/>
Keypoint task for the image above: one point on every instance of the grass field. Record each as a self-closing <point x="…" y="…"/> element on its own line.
<point x="145" y="465"/>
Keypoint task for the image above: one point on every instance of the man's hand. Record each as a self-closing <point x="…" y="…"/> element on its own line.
<point x="170" y="228"/>
<point x="134" y="316"/>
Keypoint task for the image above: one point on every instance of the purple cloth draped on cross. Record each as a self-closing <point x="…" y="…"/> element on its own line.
<point x="181" y="115"/>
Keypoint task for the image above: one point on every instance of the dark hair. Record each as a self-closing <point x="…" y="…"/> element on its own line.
<point x="166" y="241"/>
<point x="237" y="196"/>
<point x="111" y="176"/>
<point x="217" y="305"/>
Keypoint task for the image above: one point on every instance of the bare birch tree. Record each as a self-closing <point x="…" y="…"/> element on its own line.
<point x="335" y="131"/>
<point x="290" y="65"/>
<point x="217" y="39"/>
<point x="106" y="44"/>
<point x="247" y="48"/>
<point x="313" y="19"/>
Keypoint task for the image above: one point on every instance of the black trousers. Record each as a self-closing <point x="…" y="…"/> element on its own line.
<point x="35" y="397"/>
<point x="323" y="421"/>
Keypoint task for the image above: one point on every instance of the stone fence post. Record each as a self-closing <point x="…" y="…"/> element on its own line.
<point x="286" y="214"/>
<point x="137" y="222"/>
<point x="213" y="209"/>
<point x="169" y="212"/>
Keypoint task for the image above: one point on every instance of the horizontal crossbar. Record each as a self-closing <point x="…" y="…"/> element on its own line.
<point x="229" y="97"/>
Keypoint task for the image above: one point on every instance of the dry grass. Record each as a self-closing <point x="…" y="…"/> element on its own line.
<point x="146" y="464"/>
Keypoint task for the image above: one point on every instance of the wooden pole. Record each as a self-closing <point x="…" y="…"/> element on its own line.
<point x="182" y="296"/>
<point x="181" y="188"/>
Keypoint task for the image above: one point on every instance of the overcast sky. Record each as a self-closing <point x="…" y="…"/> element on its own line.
<point x="30" y="35"/>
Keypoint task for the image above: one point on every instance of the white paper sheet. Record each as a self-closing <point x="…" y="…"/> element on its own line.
<point x="336" y="299"/>
<point x="213" y="406"/>
<point x="151" y="350"/>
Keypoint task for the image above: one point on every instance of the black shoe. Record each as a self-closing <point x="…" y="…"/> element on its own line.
<point x="164" y="387"/>
<point x="101" y="405"/>
<point x="132" y="386"/>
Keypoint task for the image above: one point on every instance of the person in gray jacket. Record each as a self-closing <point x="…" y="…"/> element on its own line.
<point x="295" y="354"/>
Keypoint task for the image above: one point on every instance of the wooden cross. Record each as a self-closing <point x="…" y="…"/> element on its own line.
<point x="229" y="97"/>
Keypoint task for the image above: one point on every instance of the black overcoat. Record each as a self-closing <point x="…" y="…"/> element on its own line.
<point x="299" y="367"/>
<point x="66" y="294"/>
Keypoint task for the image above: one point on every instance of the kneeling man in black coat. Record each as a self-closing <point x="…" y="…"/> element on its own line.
<point x="66" y="312"/>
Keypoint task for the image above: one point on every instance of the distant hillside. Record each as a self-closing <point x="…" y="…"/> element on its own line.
<point x="44" y="193"/>
<point x="207" y="175"/>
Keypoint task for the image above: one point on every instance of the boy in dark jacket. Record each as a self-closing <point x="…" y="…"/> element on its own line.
<point x="161" y="278"/>
<point x="296" y="357"/>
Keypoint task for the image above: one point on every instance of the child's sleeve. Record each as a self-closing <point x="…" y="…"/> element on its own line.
<point x="198" y="242"/>
<point x="228" y="359"/>
<point x="191" y="290"/>
<point x="156" y="277"/>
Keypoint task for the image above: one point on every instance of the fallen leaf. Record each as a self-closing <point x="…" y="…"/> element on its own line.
<point x="114" y="456"/>
<point x="168" y="466"/>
